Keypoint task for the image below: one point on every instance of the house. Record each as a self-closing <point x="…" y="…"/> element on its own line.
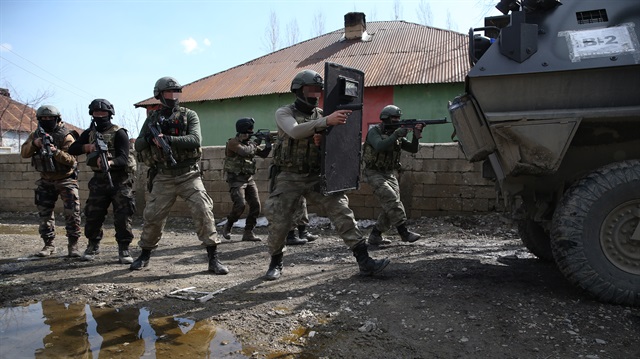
<point x="17" y="121"/>
<point x="418" y="68"/>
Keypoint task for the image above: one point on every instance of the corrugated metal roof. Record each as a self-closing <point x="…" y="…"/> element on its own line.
<point x="16" y="116"/>
<point x="399" y="53"/>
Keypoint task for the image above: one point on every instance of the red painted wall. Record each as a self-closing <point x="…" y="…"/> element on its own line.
<point x="376" y="98"/>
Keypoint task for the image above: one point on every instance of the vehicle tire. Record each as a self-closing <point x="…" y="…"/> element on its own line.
<point x="535" y="239"/>
<point x="592" y="229"/>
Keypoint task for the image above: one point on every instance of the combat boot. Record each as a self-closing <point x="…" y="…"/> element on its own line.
<point x="226" y="230"/>
<point x="123" y="253"/>
<point x="142" y="261"/>
<point x="275" y="267"/>
<point x="250" y="236"/>
<point x="375" y="237"/>
<point x="304" y="234"/>
<point x="93" y="248"/>
<point x="48" y="248"/>
<point x="214" y="264"/>
<point x="292" y="240"/>
<point x="406" y="235"/>
<point x="368" y="266"/>
<point x="72" y="247"/>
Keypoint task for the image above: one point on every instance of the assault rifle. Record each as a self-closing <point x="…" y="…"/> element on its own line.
<point x="264" y="135"/>
<point x="413" y="122"/>
<point x="166" y="148"/>
<point x="45" y="151"/>
<point x="102" y="151"/>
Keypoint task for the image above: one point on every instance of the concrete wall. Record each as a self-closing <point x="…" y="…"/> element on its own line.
<point x="437" y="180"/>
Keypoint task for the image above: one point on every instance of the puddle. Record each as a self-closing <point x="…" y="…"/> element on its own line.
<point x="56" y="330"/>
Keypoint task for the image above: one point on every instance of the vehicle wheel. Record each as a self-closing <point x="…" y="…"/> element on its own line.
<point x="596" y="233"/>
<point x="535" y="239"/>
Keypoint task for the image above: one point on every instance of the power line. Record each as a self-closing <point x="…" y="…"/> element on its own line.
<point x="40" y="77"/>
<point x="40" y="67"/>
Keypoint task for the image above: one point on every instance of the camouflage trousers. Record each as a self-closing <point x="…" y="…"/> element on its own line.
<point x="166" y="189"/>
<point x="46" y="195"/>
<point x="301" y="217"/>
<point x="243" y="192"/>
<point x="284" y="201"/>
<point x="101" y="196"/>
<point x="387" y="191"/>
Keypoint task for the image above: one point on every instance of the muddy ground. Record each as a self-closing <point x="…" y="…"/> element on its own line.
<point x="468" y="289"/>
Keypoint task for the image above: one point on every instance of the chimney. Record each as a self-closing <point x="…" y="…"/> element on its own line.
<point x="355" y="27"/>
<point x="5" y="92"/>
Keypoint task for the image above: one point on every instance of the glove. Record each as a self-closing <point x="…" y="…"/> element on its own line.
<point x="401" y="132"/>
<point x="258" y="141"/>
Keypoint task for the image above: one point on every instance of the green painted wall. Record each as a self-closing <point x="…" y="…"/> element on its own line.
<point x="428" y="102"/>
<point x="218" y="118"/>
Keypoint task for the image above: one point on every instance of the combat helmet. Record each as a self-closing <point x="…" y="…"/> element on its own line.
<point x="390" y="111"/>
<point x="165" y="83"/>
<point x="306" y="77"/>
<point x="101" y="104"/>
<point x="245" y="124"/>
<point x="47" y="110"/>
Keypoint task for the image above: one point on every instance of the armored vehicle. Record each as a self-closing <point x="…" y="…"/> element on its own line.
<point x="552" y="109"/>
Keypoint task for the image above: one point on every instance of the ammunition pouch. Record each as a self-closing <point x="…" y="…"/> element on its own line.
<point x="177" y="171"/>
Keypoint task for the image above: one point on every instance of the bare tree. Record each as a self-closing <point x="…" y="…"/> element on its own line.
<point x="318" y="24"/>
<point x="451" y="25"/>
<point x="397" y="10"/>
<point x="33" y="102"/>
<point x="132" y="121"/>
<point x="425" y="16"/>
<point x="293" y="32"/>
<point x="372" y="15"/>
<point x="272" y="34"/>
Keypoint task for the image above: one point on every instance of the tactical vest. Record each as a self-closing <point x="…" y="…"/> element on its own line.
<point x="109" y="138"/>
<point x="237" y="164"/>
<point x="299" y="156"/>
<point x="58" y="135"/>
<point x="384" y="161"/>
<point x="154" y="157"/>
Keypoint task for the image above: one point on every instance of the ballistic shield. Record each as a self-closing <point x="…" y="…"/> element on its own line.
<point x="341" y="145"/>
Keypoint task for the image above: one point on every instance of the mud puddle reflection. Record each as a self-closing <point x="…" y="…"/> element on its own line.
<point x="57" y="330"/>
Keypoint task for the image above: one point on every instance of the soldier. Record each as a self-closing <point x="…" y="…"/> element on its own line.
<point x="173" y="172"/>
<point x="47" y="147"/>
<point x="300" y="223"/>
<point x="381" y="157"/>
<point x="240" y="166"/>
<point x="298" y="158"/>
<point x="111" y="184"/>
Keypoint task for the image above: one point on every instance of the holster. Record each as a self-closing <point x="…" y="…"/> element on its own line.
<point x="151" y="174"/>
<point x="274" y="170"/>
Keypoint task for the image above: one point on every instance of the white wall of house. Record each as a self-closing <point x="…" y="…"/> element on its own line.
<point x="11" y="141"/>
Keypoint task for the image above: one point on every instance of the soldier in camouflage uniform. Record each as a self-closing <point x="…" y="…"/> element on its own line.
<point x="180" y="130"/>
<point x="58" y="177"/>
<point x="298" y="158"/>
<point x="381" y="158"/>
<point x="301" y="221"/>
<point x="112" y="187"/>
<point x="240" y="166"/>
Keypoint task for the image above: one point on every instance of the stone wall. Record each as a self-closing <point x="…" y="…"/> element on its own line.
<point x="437" y="180"/>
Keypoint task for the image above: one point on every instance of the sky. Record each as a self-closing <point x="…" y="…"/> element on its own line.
<point x="67" y="53"/>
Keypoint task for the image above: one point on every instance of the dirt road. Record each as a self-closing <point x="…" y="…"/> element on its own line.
<point x="468" y="289"/>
